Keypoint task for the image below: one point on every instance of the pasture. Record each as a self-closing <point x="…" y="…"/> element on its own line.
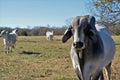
<point x="36" y="58"/>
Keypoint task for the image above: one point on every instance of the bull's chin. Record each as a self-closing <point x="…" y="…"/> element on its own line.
<point x="79" y="49"/>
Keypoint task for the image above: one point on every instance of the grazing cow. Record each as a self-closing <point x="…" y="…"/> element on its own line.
<point x="92" y="48"/>
<point x="9" y="40"/>
<point x="49" y="35"/>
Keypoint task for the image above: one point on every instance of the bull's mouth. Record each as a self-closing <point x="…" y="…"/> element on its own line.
<point x="79" y="48"/>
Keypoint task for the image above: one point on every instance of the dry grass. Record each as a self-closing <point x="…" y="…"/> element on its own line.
<point x="35" y="58"/>
<point x="116" y="61"/>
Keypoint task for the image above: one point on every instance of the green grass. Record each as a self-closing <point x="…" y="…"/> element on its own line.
<point x="35" y="58"/>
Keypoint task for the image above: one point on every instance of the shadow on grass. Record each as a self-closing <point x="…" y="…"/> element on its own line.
<point x="117" y="44"/>
<point x="29" y="52"/>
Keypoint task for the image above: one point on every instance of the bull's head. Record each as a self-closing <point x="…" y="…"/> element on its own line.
<point x="3" y="33"/>
<point x="82" y="29"/>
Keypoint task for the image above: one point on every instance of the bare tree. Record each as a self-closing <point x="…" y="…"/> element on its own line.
<point x="106" y="11"/>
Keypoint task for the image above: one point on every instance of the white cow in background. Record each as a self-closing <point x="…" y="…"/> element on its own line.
<point x="9" y="40"/>
<point x="49" y="35"/>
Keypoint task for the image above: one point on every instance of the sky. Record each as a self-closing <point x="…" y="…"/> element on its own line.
<point x="24" y="13"/>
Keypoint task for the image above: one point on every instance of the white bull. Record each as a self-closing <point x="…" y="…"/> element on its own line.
<point x="9" y="40"/>
<point x="49" y="35"/>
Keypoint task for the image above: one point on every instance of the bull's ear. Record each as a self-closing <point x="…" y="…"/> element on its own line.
<point x="92" y="20"/>
<point x="92" y="30"/>
<point x="92" y="35"/>
<point x="67" y="35"/>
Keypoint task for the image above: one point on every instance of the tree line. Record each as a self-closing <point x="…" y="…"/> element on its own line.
<point x="37" y="31"/>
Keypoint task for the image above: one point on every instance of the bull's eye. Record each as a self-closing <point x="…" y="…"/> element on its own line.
<point x="86" y="32"/>
<point x="91" y="33"/>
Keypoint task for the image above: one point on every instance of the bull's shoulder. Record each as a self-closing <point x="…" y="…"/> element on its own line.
<point x="108" y="42"/>
<point x="102" y="29"/>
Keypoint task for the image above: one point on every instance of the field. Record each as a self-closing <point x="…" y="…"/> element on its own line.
<point x="35" y="58"/>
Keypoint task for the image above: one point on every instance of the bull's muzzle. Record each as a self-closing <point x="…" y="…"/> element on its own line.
<point x="78" y="44"/>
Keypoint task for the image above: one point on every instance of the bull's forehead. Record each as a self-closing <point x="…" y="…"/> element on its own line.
<point x="79" y="21"/>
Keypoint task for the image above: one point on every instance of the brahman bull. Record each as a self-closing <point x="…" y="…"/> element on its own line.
<point x="9" y="40"/>
<point x="92" y="48"/>
<point x="49" y="35"/>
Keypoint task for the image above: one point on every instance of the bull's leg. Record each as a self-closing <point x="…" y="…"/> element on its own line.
<point x="108" y="71"/>
<point x="10" y="48"/>
<point x="98" y="75"/>
<point x="101" y="77"/>
<point x="5" y="49"/>
<point x="13" y="46"/>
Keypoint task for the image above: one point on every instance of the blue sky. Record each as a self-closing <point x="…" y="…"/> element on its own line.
<point x="23" y="13"/>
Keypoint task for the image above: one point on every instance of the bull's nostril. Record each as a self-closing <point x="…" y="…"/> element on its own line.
<point x="81" y="44"/>
<point x="74" y="44"/>
<point x="78" y="44"/>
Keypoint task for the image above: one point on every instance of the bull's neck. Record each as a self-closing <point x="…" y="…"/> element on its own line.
<point x="94" y="47"/>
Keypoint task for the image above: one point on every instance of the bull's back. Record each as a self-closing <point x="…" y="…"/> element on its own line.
<point x="108" y="43"/>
